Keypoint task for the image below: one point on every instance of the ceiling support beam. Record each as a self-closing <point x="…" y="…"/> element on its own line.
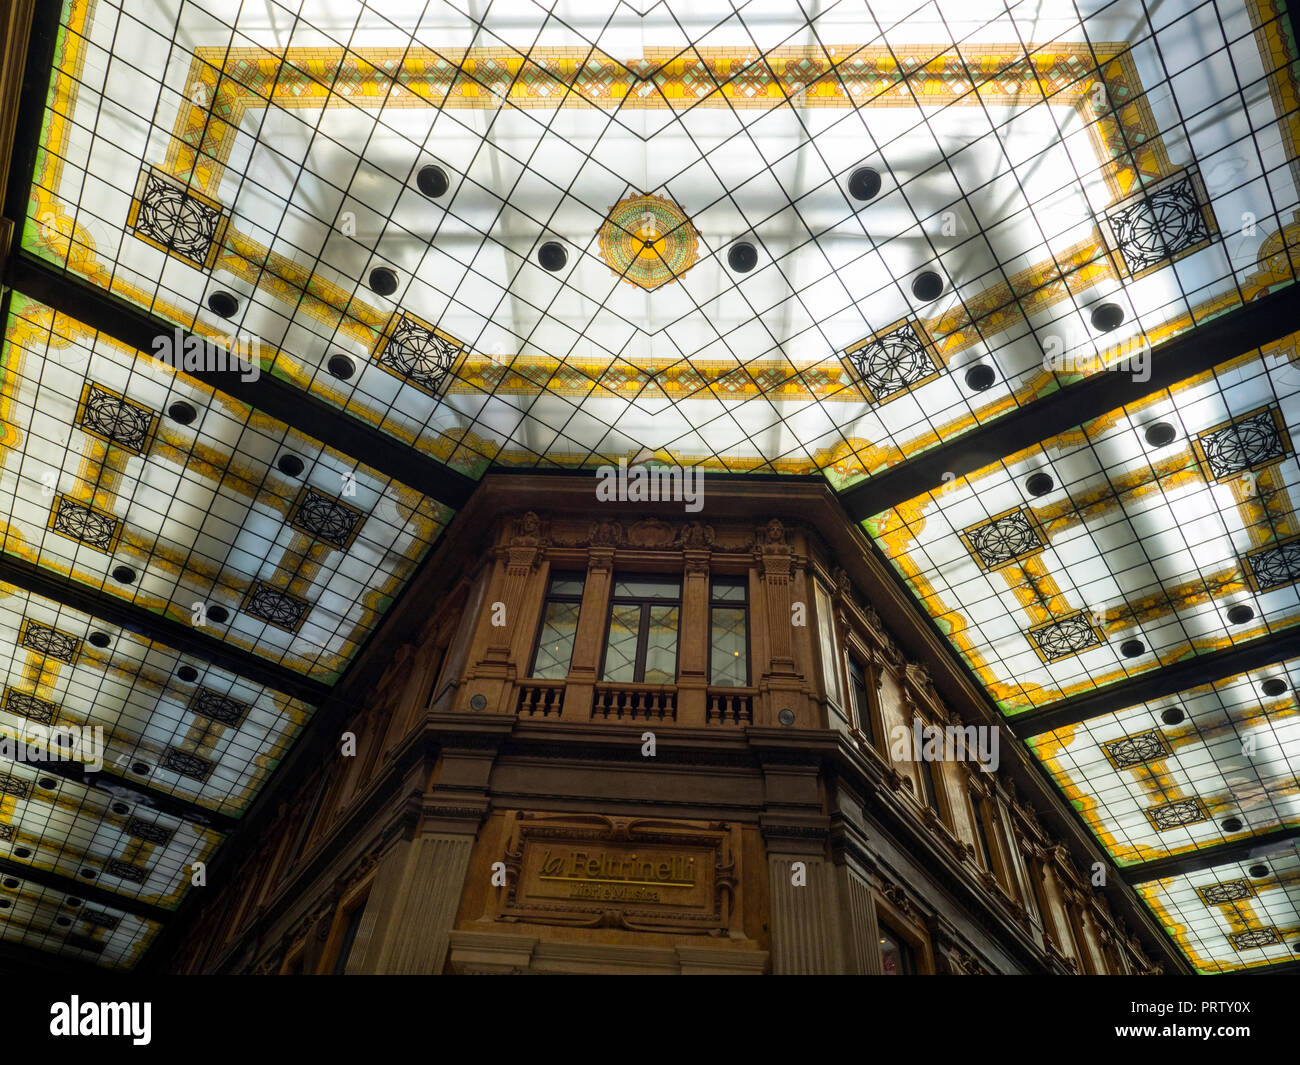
<point x="1241" y="850"/>
<point x="288" y="403"/>
<point x="83" y="889"/>
<point x="1159" y="683"/>
<point x="1244" y="329"/>
<point x="184" y="638"/>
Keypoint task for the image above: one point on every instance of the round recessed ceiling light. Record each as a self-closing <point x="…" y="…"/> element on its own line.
<point x="63" y="920"/>
<point x="742" y="256"/>
<point x="1231" y="824"/>
<point x="22" y="852"/>
<point x="72" y="901"/>
<point x="188" y="674"/>
<point x="1240" y="614"/>
<point x="927" y="286"/>
<point x="1159" y="434"/>
<point x="383" y="281"/>
<point x="120" y="808"/>
<point x="289" y="465"/>
<point x="48" y="783"/>
<point x="432" y="181"/>
<point x="11" y="882"/>
<point x="1107" y="316"/>
<point x="552" y="256"/>
<point x="1172" y="716"/>
<point x="1275" y="686"/>
<point x="980" y="376"/>
<point x="5" y="904"/>
<point x="1132" y="648"/>
<point x="182" y="412"/>
<point x="864" y="183"/>
<point x="341" y="367"/>
<point x="217" y="613"/>
<point x="223" y="304"/>
<point x="124" y="574"/>
<point x="1258" y="870"/>
<point x="1039" y="484"/>
<point x="140" y="769"/>
<point x="88" y="873"/>
<point x="100" y="639"/>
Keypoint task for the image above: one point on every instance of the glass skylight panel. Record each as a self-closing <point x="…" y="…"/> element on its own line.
<point x="571" y="113"/>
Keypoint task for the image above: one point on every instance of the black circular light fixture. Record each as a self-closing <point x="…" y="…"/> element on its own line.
<point x="742" y="256"/>
<point x="124" y="574"/>
<point x="141" y="769"/>
<point x="383" y="281"/>
<point x="22" y="852"/>
<point x="182" y="412"/>
<point x="478" y="702"/>
<point x="1132" y="648"/>
<point x="1172" y="716"/>
<point x="927" y="286"/>
<point x="1159" y="434"/>
<point x="72" y="901"/>
<point x="1275" y="686"/>
<point x="120" y="808"/>
<point x="88" y="873"/>
<point x="289" y="465"/>
<point x="1258" y="870"/>
<point x="5" y="904"/>
<point x="48" y="783"/>
<point x="1107" y="316"/>
<point x="1240" y="614"/>
<point x="1039" y="484"/>
<point x="223" y="304"/>
<point x="63" y="920"/>
<point x="552" y="256"/>
<point x="1231" y="824"/>
<point x="786" y="717"/>
<point x="11" y="882"/>
<point x="432" y="181"/>
<point x="341" y="366"/>
<point x="188" y="674"/>
<point x="100" y="639"/>
<point x="980" y="376"/>
<point x="864" y="183"/>
<point x="217" y="613"/>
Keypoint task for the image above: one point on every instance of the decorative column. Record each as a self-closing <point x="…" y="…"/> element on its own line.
<point x="495" y="669"/>
<point x="694" y="645"/>
<point x="584" y="667"/>
<point x="780" y="683"/>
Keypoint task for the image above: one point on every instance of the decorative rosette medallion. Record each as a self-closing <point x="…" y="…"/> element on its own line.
<point x="648" y="240"/>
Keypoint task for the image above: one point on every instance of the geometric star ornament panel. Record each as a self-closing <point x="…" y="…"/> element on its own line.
<point x="1005" y="538"/>
<point x="894" y="361"/>
<point x="1161" y="224"/>
<point x="177" y="219"/>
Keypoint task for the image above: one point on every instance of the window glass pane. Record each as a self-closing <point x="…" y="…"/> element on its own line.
<point x="861" y="707"/>
<point x="643" y="588"/>
<point x="727" y="663"/>
<point x="349" y="937"/>
<point x="566" y="584"/>
<point x="826" y="633"/>
<point x="978" y="808"/>
<point x="620" y="653"/>
<point x="896" y="958"/>
<point x="555" y="646"/>
<point x="661" y="646"/>
<point x="729" y="589"/>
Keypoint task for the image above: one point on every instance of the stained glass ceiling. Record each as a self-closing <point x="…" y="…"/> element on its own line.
<point x="756" y="237"/>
